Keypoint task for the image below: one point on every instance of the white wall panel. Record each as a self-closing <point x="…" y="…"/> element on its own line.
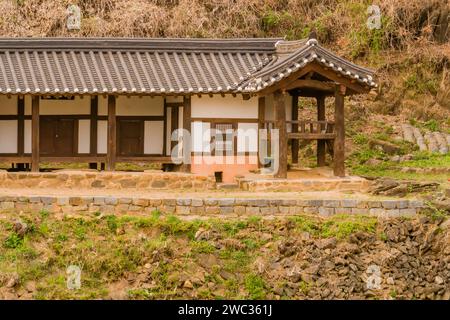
<point x="27" y="136"/>
<point x="102" y="136"/>
<point x="201" y="136"/>
<point x="8" y="106"/>
<point x="8" y="136"/>
<point x="154" y="137"/>
<point x="135" y="106"/>
<point x="224" y="107"/>
<point x="84" y="136"/>
<point x="247" y="139"/>
<point x="61" y="107"/>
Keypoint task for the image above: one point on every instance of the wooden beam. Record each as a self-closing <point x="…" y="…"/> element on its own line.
<point x="339" y="142"/>
<point x="112" y="135"/>
<point x="321" y="144"/>
<point x="295" y="142"/>
<point x="35" y="134"/>
<point x="280" y="124"/>
<point x="93" y="130"/>
<point x="355" y="87"/>
<point x="186" y="167"/>
<point x="324" y="86"/>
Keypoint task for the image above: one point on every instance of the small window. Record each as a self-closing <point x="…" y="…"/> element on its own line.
<point x="224" y="138"/>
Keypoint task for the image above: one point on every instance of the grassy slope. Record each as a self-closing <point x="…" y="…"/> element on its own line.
<point x="167" y="251"/>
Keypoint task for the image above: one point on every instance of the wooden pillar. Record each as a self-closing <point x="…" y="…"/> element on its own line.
<point x="186" y="167"/>
<point x="35" y="134"/>
<point x="112" y="138"/>
<point x="280" y="124"/>
<point x="339" y="141"/>
<point x="93" y="133"/>
<point x="294" y="145"/>
<point x="321" y="152"/>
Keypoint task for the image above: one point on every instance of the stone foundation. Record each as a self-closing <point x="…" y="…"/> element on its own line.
<point x="107" y="180"/>
<point x="227" y="207"/>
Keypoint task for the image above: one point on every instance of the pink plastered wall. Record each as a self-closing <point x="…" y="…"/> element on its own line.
<point x="231" y="166"/>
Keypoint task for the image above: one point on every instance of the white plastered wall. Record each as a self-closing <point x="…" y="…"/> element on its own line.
<point x="224" y="107"/>
<point x="8" y="136"/>
<point x="153" y="137"/>
<point x="84" y="136"/>
<point x="102" y="136"/>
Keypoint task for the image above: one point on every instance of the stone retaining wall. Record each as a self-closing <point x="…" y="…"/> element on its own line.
<point x="302" y="185"/>
<point x="231" y="207"/>
<point x="107" y="180"/>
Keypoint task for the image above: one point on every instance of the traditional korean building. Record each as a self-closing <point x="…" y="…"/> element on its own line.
<point x="109" y="100"/>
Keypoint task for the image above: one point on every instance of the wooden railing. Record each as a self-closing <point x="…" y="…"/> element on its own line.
<point x="307" y="129"/>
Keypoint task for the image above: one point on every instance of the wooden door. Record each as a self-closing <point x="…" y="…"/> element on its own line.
<point x="57" y="137"/>
<point x="47" y="133"/>
<point x="130" y="137"/>
<point x="65" y="136"/>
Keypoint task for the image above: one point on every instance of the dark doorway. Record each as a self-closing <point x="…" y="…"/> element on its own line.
<point x="57" y="137"/>
<point x="130" y="135"/>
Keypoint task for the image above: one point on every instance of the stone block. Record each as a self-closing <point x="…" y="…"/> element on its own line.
<point x="226" y="210"/>
<point x="111" y="201"/>
<point x="326" y="212"/>
<point x="252" y="210"/>
<point x="360" y="211"/>
<point x="212" y="210"/>
<point x="226" y="202"/>
<point x="140" y="202"/>
<point x="62" y="201"/>
<point x="183" y="210"/>
<point x="374" y="204"/>
<point x="125" y="200"/>
<point x="210" y="202"/>
<point x="184" y="202"/>
<point x="240" y="210"/>
<point x="197" y="203"/>
<point x="389" y="204"/>
<point x="331" y="203"/>
<point x="349" y="203"/>
<point x="99" y="200"/>
<point x="198" y="210"/>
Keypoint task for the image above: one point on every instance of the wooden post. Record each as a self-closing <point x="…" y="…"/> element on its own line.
<point x="294" y="142"/>
<point x="280" y="124"/>
<point x="339" y="142"/>
<point x="112" y="138"/>
<point x="93" y="133"/>
<point x="186" y="167"/>
<point x="321" y="152"/>
<point x="35" y="134"/>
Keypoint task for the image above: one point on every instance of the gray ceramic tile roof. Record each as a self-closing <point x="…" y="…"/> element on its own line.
<point x="155" y="66"/>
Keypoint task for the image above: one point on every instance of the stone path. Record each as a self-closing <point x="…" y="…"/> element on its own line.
<point x="431" y="141"/>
